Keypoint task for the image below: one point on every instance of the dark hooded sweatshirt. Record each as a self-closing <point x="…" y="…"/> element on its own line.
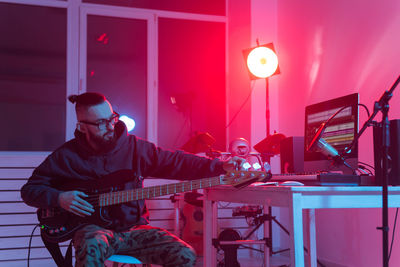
<point x="76" y="160"/>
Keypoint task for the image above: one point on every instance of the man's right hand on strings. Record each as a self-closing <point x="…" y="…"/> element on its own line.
<point x="73" y="201"/>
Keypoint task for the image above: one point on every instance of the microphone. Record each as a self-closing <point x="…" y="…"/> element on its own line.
<point x="319" y="144"/>
<point x="317" y="137"/>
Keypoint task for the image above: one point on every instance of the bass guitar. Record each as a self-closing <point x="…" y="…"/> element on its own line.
<point x="58" y="225"/>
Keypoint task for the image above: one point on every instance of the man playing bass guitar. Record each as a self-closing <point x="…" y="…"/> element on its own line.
<point x="101" y="147"/>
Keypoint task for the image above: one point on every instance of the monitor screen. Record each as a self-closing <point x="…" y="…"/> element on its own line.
<point x="339" y="132"/>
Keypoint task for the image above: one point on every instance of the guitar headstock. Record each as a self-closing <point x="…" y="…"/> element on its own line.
<point x="241" y="179"/>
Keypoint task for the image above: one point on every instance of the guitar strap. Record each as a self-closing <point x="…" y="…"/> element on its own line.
<point x="54" y="249"/>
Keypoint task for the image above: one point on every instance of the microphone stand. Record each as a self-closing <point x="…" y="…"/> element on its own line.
<point x="382" y="105"/>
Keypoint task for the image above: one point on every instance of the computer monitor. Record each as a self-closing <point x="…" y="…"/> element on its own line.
<point x="339" y="132"/>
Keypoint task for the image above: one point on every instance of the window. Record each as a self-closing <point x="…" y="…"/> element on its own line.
<point x="32" y="77"/>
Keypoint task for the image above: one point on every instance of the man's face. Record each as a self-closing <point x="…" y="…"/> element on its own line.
<point x="97" y="138"/>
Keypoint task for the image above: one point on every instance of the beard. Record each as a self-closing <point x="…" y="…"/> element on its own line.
<point x="105" y="142"/>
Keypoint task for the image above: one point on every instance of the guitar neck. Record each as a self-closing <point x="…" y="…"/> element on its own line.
<point x="119" y="197"/>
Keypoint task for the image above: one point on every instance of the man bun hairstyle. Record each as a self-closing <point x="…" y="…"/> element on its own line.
<point x="86" y="100"/>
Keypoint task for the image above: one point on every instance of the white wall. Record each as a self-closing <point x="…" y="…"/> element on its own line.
<point x="328" y="49"/>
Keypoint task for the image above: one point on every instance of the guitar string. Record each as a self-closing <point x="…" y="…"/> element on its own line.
<point x="112" y="198"/>
<point x="117" y="197"/>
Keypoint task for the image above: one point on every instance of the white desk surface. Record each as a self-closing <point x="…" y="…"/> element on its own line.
<point x="297" y="199"/>
<point x="313" y="197"/>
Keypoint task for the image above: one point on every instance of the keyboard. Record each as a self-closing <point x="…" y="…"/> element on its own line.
<point x="318" y="178"/>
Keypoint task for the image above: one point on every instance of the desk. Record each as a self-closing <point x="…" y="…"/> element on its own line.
<point x="296" y="199"/>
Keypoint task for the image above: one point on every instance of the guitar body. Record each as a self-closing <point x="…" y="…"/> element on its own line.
<point x="59" y="225"/>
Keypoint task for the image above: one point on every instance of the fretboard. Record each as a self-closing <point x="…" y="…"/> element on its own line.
<point x="119" y="197"/>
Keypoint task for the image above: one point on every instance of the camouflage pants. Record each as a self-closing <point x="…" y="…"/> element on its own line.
<point x="94" y="244"/>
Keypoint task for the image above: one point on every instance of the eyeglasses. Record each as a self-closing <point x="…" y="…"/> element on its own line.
<point x="103" y="123"/>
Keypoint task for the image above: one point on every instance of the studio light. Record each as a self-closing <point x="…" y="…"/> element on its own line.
<point x="261" y="61"/>
<point x="129" y="122"/>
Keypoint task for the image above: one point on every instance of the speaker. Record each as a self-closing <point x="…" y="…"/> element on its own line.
<point x="292" y="154"/>
<point x="394" y="150"/>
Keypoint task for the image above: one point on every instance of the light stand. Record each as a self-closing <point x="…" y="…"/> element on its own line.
<point x="262" y="63"/>
<point x="382" y="105"/>
<point x="267" y="112"/>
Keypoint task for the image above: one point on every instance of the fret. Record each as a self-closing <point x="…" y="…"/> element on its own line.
<point x="117" y="197"/>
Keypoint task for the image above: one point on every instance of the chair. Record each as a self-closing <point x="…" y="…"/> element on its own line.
<point x="125" y="259"/>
